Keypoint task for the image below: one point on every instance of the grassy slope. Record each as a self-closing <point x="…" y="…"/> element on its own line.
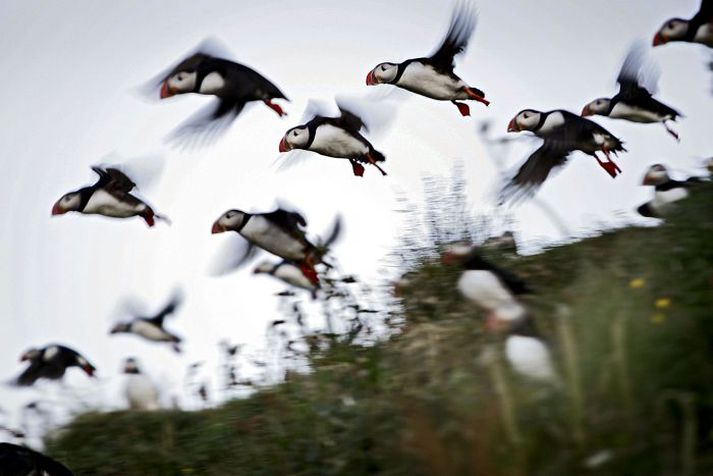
<point x="638" y="382"/>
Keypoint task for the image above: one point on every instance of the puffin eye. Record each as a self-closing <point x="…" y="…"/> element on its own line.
<point x="294" y="133"/>
<point x="526" y="115"/>
<point x="383" y="67"/>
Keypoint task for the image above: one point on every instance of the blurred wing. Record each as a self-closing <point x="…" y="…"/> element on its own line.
<point x="315" y="108"/>
<point x="171" y="306"/>
<point x="205" y="126"/>
<point x="533" y="173"/>
<point x="292" y="158"/>
<point x="705" y="13"/>
<point x="334" y="233"/>
<point x="374" y="111"/>
<point x="233" y="253"/>
<point x="144" y="171"/>
<point x="288" y="221"/>
<point x="30" y="375"/>
<point x="113" y="179"/>
<point x="638" y="74"/>
<point x="462" y="25"/>
<point x="131" y="306"/>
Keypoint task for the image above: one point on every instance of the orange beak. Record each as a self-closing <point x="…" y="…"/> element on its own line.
<point x="586" y="111"/>
<point x="648" y="180"/>
<point x="166" y="90"/>
<point x="449" y="258"/>
<point x="659" y="39"/>
<point x="57" y="210"/>
<point x="513" y="127"/>
<point x="217" y="228"/>
<point x="284" y="146"/>
<point x="371" y="79"/>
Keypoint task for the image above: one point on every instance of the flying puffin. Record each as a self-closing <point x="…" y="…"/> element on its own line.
<point x="16" y="460"/>
<point x="433" y="76"/>
<point x="337" y="137"/>
<point x="281" y="233"/>
<point x="563" y="133"/>
<point x="140" y="391"/>
<point x="151" y="328"/>
<point x="666" y="191"/>
<point x="51" y="362"/>
<point x="634" y="102"/>
<point x="698" y="29"/>
<point x="232" y="84"/>
<point x="289" y="273"/>
<point x="109" y="197"/>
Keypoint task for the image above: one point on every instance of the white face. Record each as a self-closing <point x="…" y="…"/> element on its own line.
<point x="674" y="29"/>
<point x="69" y="202"/>
<point x="526" y="120"/>
<point x="383" y="73"/>
<point x="598" y="106"/>
<point x="231" y="220"/>
<point x="182" y="82"/>
<point x="657" y="174"/>
<point x="30" y="354"/>
<point x="297" y="138"/>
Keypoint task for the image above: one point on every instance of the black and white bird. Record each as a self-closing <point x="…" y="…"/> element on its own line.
<point x="18" y="460"/>
<point x="433" y="76"/>
<point x="232" y="84"/>
<point x="505" y="243"/>
<point x="563" y="133"/>
<point x="667" y="191"/>
<point x="140" y="391"/>
<point x="281" y="233"/>
<point x="109" y="197"/>
<point x="635" y="102"/>
<point x="51" y="362"/>
<point x="339" y="137"/>
<point x="151" y="327"/>
<point x="289" y="273"/>
<point x="698" y="29"/>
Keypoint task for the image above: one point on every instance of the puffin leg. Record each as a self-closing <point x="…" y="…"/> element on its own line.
<point x="307" y="268"/>
<point x="608" y="156"/>
<point x="274" y="107"/>
<point x="148" y="216"/>
<point x="357" y="168"/>
<point x="463" y="108"/>
<point x="671" y="131"/>
<point x="475" y="96"/>
<point x="610" y="166"/>
<point x="372" y="161"/>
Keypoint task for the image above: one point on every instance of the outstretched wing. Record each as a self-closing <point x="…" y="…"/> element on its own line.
<point x="30" y="375"/>
<point x="533" y="173"/>
<point x="235" y="252"/>
<point x="461" y="28"/>
<point x="290" y="222"/>
<point x="348" y="120"/>
<point x="113" y="180"/>
<point x="638" y="76"/>
<point x="207" y="124"/>
<point x="171" y="306"/>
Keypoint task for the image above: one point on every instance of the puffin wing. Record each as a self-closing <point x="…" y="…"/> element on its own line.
<point x="19" y="460"/>
<point x="30" y="375"/>
<point x="206" y="125"/>
<point x="704" y="14"/>
<point x="290" y="222"/>
<point x="234" y="253"/>
<point x="638" y="77"/>
<point x="171" y="306"/>
<point x="533" y="173"/>
<point x="462" y="25"/>
<point x="348" y="120"/>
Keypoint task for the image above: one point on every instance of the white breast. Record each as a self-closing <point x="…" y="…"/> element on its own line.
<point x="141" y="393"/>
<point x="293" y="275"/>
<point x="636" y="114"/>
<point x="271" y="238"/>
<point x="425" y="80"/>
<point x="104" y="203"/>
<point x="663" y="199"/>
<point x="530" y="357"/>
<point x="485" y="289"/>
<point x="336" y="142"/>
<point x="149" y="331"/>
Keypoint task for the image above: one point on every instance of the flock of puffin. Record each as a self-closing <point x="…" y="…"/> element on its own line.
<point x="282" y="232"/>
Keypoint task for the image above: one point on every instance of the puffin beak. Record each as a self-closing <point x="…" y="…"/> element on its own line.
<point x="88" y="370"/>
<point x="57" y="210"/>
<point x="449" y="258"/>
<point x="166" y="91"/>
<point x="217" y="228"/>
<point x="659" y="39"/>
<point x="24" y="357"/>
<point x="586" y="111"/>
<point x="371" y="79"/>
<point x="647" y="180"/>
<point x="284" y="146"/>
<point x="512" y="126"/>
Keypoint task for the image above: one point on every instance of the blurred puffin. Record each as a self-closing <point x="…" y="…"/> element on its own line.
<point x="505" y="243"/>
<point x="51" y="362"/>
<point x="140" y="391"/>
<point x="563" y="133"/>
<point x="337" y="137"/>
<point x="232" y="84"/>
<point x="698" y="29"/>
<point x="289" y="273"/>
<point x="634" y="102"/>
<point x="109" y="197"/>
<point x="666" y="191"/>
<point x="151" y="328"/>
<point x="496" y="292"/>
<point x="281" y="233"/>
<point x="433" y="76"/>
<point x="18" y="460"/>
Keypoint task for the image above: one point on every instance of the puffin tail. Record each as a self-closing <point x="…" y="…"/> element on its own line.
<point x="377" y="156"/>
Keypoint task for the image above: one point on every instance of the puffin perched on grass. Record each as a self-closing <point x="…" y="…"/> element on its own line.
<point x="433" y="76"/>
<point x="635" y="102"/>
<point x="109" y="197"/>
<point x="698" y="29"/>
<point x="51" y="362"/>
<point x="563" y="133"/>
<point x="18" y="460"/>
<point x="140" y="391"/>
<point x="667" y="191"/>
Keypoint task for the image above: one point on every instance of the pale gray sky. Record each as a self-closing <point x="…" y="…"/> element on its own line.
<point x="70" y="69"/>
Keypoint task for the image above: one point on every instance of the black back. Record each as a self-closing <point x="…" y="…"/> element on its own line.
<point x="21" y="461"/>
<point x="516" y="285"/>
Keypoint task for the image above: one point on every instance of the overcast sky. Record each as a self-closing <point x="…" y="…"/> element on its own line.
<point x="68" y="99"/>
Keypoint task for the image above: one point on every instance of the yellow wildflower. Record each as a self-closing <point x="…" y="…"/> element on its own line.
<point x="637" y="283"/>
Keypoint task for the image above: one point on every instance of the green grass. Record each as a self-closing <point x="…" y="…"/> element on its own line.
<point x="638" y="381"/>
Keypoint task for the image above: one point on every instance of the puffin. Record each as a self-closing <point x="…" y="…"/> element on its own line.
<point x="140" y="391"/>
<point x="496" y="292"/>
<point x="698" y="29"/>
<point x="505" y="243"/>
<point x="634" y="102"/>
<point x="109" y="197"/>
<point x="563" y="133"/>
<point x="16" y="460"/>
<point x="281" y="233"/>
<point x="666" y="191"/>
<point x="433" y="76"/>
<point x="51" y="362"/>
<point x="339" y="137"/>
<point x="289" y="273"/>
<point x="151" y="327"/>
<point x="232" y="84"/>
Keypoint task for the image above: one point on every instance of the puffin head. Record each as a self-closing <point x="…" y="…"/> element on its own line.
<point x="85" y="365"/>
<point x="525" y="120"/>
<point x="179" y="83"/>
<point x="295" y="138"/>
<point x="673" y="30"/>
<point x="230" y="220"/>
<point x="69" y="202"/>
<point x="30" y="355"/>
<point x="264" y="267"/>
<point x="456" y="252"/>
<point x="131" y="366"/>
<point x="120" y="327"/>
<point x="383" y="73"/>
<point x="655" y="175"/>
<point x="598" y="106"/>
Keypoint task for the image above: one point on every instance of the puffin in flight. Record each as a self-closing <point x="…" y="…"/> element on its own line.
<point x="563" y="133"/>
<point x="51" y="362"/>
<point x="151" y="327"/>
<point x="698" y="29"/>
<point x="634" y="102"/>
<point x="281" y="233"/>
<point x="433" y="76"/>
<point x="666" y="191"/>
<point x="338" y="137"/>
<point x="16" y="460"/>
<point x="232" y="84"/>
<point x="109" y="197"/>
<point x="289" y="273"/>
